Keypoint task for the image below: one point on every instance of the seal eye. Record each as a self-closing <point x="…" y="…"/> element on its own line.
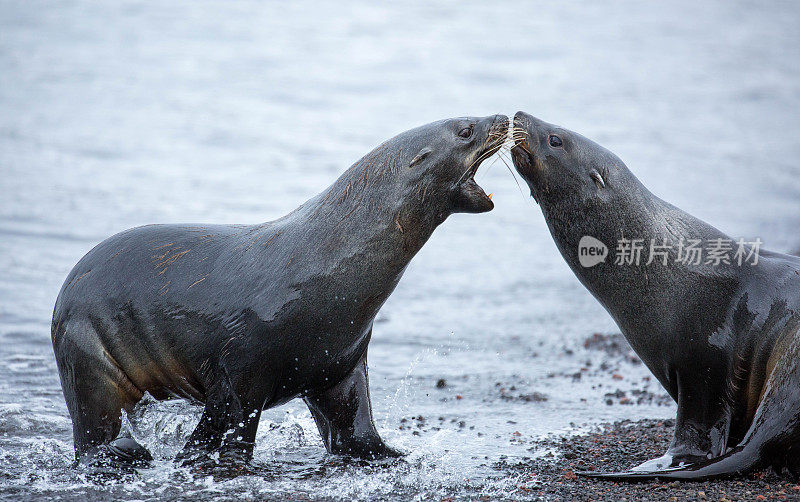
<point x="555" y="141"/>
<point x="465" y="132"/>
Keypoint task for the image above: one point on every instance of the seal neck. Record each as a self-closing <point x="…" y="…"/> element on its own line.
<point x="636" y="290"/>
<point x="370" y="216"/>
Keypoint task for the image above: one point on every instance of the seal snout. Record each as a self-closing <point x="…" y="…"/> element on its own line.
<point x="521" y="131"/>
<point x="522" y="149"/>
<point x="523" y="138"/>
<point x="468" y="195"/>
<point x="498" y="130"/>
<point x="496" y="136"/>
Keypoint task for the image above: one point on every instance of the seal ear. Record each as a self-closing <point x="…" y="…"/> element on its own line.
<point x="598" y="178"/>
<point x="420" y="156"/>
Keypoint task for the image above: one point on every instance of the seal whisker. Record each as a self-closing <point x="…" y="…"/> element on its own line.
<point x="519" y="187"/>
<point x="483" y="156"/>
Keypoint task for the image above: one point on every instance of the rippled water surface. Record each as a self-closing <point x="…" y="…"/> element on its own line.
<point x="117" y="114"/>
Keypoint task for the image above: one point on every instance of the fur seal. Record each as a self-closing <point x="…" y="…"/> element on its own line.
<point x="247" y="317"/>
<point x="722" y="338"/>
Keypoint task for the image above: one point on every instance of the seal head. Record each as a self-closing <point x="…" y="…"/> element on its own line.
<point x="587" y="193"/>
<point x="563" y="169"/>
<point x="447" y="155"/>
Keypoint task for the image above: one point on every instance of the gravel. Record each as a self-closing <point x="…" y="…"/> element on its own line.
<point x="622" y="445"/>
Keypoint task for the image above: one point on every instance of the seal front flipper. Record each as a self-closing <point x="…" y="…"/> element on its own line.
<point x="738" y="461"/>
<point x="229" y="424"/>
<point x="701" y="427"/>
<point x="702" y="424"/>
<point x="626" y="475"/>
<point x="773" y="437"/>
<point x="344" y="417"/>
<point x="127" y="450"/>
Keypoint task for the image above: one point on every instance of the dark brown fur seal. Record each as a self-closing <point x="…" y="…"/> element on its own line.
<point x="247" y="317"/>
<point x="724" y="340"/>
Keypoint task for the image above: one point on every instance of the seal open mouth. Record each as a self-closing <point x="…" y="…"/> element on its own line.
<point x="472" y="197"/>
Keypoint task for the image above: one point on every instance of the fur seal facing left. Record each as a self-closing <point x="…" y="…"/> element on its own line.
<point x="247" y="317"/>
<point x="722" y="338"/>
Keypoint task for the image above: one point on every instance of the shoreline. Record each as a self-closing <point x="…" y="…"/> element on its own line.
<point x="624" y="444"/>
